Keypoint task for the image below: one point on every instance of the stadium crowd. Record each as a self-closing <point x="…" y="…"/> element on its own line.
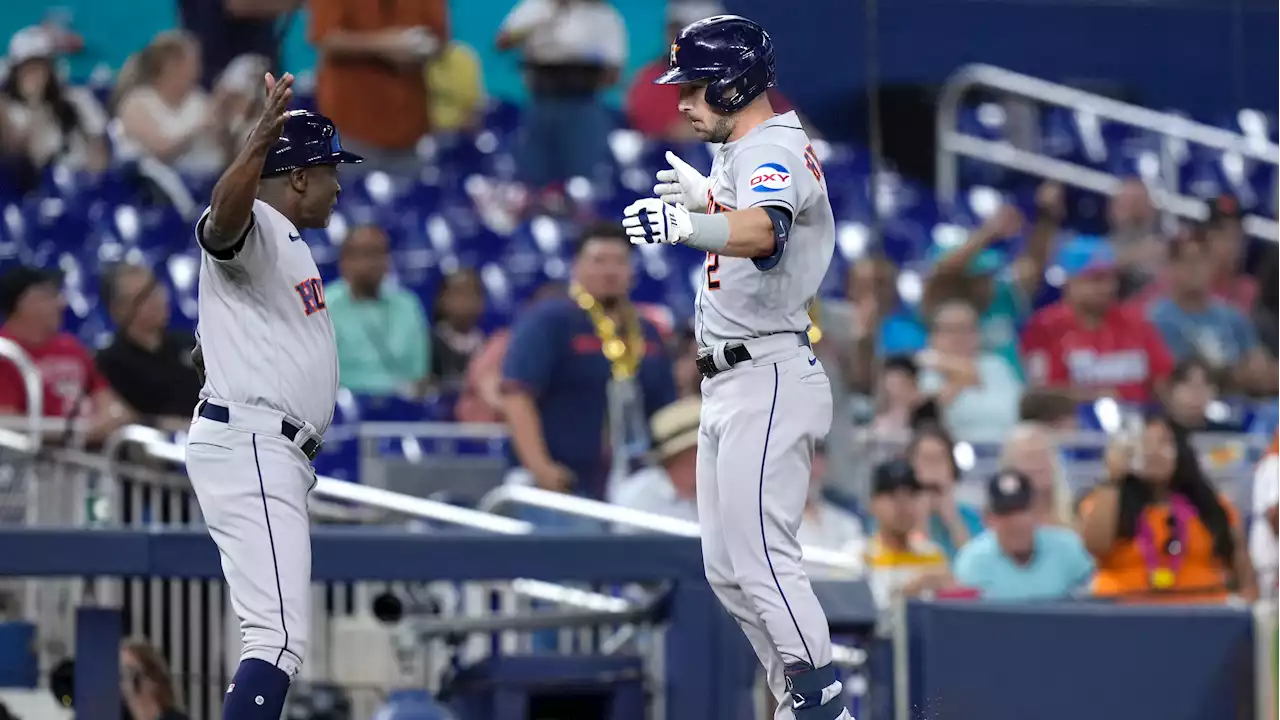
<point x="998" y="349"/>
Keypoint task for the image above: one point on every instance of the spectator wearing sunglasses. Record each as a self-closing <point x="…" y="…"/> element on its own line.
<point x="1157" y="529"/>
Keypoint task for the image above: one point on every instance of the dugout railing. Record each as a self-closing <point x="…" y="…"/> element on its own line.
<point x="1174" y="133"/>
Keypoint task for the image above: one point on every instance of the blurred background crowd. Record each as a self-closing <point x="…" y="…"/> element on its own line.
<point x="1047" y="385"/>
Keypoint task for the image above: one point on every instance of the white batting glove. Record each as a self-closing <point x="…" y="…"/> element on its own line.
<point x="682" y="184"/>
<point x="652" y="221"/>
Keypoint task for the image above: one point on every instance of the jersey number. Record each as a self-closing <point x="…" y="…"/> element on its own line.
<point x="311" y="291"/>
<point x="713" y="267"/>
<point x="811" y="162"/>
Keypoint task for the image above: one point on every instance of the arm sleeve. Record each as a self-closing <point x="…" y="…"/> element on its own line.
<point x="531" y="357"/>
<point x="1043" y="361"/>
<point x="1246" y="336"/>
<point x="1158" y="356"/>
<point x="966" y="567"/>
<point x="772" y="176"/>
<point x="13" y="393"/>
<point x="252" y="249"/>
<point x="419" y="361"/>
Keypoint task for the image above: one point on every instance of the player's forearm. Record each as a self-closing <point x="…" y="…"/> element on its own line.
<point x="749" y="233"/>
<point x="526" y="429"/>
<point x="231" y="203"/>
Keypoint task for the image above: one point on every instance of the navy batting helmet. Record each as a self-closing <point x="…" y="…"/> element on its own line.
<point x="731" y="53"/>
<point x="308" y="138"/>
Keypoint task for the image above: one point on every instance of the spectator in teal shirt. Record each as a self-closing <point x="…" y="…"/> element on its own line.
<point x="931" y="455"/>
<point x="1018" y="559"/>
<point x="381" y="330"/>
<point x="976" y="272"/>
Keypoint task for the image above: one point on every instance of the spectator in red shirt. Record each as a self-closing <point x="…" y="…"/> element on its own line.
<point x="1089" y="344"/>
<point x="651" y="109"/>
<point x="32" y="305"/>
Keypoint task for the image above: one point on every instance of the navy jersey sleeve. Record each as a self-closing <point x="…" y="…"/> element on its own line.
<point x="657" y="380"/>
<point x="537" y="343"/>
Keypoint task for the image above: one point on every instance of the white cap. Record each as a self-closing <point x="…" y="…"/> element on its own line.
<point x="30" y="43"/>
<point x="691" y="11"/>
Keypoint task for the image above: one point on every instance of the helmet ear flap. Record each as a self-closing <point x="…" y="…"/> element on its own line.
<point x="733" y="92"/>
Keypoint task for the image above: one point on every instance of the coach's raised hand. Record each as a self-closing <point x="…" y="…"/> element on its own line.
<point x="231" y="203"/>
<point x="274" y="111"/>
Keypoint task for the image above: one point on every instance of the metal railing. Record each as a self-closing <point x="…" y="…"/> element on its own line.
<point x="30" y="443"/>
<point x="508" y="495"/>
<point x="953" y="144"/>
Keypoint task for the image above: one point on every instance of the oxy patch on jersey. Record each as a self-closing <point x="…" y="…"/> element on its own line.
<point x="770" y="177"/>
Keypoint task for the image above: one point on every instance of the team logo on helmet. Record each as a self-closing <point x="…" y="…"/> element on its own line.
<point x="674" y="48"/>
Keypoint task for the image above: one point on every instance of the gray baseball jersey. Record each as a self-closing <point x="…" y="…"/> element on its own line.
<point x="264" y="327"/>
<point x="773" y="165"/>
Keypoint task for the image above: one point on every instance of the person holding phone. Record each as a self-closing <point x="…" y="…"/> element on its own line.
<point x="1157" y="528"/>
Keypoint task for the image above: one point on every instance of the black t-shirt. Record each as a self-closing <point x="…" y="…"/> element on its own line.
<point x="224" y="36"/>
<point x="160" y="383"/>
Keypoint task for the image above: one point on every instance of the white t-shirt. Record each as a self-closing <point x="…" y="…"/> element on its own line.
<point x="47" y="138"/>
<point x="650" y="490"/>
<point x="205" y="155"/>
<point x="1262" y="541"/>
<point x="831" y="528"/>
<point x="584" y="31"/>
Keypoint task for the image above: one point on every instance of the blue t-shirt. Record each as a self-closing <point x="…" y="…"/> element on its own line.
<point x="1221" y="334"/>
<point x="555" y="356"/>
<point x="1059" y="565"/>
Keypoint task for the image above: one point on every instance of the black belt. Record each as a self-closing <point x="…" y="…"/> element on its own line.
<point x="220" y="413"/>
<point x="734" y="354"/>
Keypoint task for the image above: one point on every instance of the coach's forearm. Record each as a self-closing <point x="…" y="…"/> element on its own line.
<point x="231" y="203"/>
<point x="741" y="233"/>
<point x="526" y="429"/>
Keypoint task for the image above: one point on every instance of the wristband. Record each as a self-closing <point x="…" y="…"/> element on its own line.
<point x="710" y="232"/>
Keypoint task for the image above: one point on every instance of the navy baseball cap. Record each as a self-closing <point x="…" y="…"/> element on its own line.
<point x="1009" y="492"/>
<point x="892" y="476"/>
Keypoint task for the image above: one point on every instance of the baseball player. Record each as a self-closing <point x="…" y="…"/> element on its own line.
<point x="765" y="223"/>
<point x="271" y="378"/>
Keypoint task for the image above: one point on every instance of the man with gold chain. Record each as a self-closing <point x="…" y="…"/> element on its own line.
<point x="584" y="374"/>
<point x="765" y="223"/>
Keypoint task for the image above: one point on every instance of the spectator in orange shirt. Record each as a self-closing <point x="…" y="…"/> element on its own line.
<point x="369" y="80"/>
<point x="32" y="305"/>
<point x="1161" y="530"/>
<point x="650" y="108"/>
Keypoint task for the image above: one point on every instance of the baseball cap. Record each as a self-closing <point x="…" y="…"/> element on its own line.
<point x="18" y="280"/>
<point x="1009" y="492"/>
<point x="1224" y="207"/>
<point x="674" y="428"/>
<point x="30" y="43"/>
<point x="987" y="262"/>
<point x="1085" y="254"/>
<point x="894" y="475"/>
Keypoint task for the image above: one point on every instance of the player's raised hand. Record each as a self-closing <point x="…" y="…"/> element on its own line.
<point x="682" y="184"/>
<point x="274" y="110"/>
<point x="651" y="220"/>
